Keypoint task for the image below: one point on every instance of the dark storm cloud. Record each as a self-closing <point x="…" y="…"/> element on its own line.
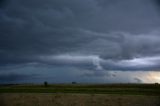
<point x="13" y="77"/>
<point x="97" y="35"/>
<point x="2" y="2"/>
<point x="157" y="2"/>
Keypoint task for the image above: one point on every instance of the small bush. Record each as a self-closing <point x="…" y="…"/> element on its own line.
<point x="46" y="84"/>
<point x="74" y="82"/>
<point x="156" y="84"/>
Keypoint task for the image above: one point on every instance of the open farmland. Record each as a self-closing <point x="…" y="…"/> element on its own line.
<point x="56" y="99"/>
<point x="135" y="89"/>
<point x="80" y="95"/>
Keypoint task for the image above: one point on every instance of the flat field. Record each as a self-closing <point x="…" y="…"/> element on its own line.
<point x="56" y="99"/>
<point x="80" y="95"/>
<point x="135" y="89"/>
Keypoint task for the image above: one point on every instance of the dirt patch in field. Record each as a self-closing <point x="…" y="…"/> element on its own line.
<point x="17" y="99"/>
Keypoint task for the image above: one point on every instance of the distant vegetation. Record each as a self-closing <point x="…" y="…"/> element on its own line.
<point x="136" y="89"/>
<point x="46" y="84"/>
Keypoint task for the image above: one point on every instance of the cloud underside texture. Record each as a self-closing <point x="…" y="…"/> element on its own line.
<point x="95" y="35"/>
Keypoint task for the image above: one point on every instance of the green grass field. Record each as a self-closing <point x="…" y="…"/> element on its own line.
<point x="133" y="89"/>
<point x="80" y="95"/>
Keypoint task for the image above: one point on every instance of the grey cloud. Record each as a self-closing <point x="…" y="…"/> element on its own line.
<point x="14" y="77"/>
<point x="35" y="28"/>
<point x="96" y="74"/>
<point x="97" y="64"/>
<point x="138" y="80"/>
<point x="110" y="31"/>
<point x="2" y="3"/>
<point x="135" y="64"/>
<point x="157" y="3"/>
<point x="82" y="62"/>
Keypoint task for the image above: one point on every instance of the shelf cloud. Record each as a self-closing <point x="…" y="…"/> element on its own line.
<point x="93" y="37"/>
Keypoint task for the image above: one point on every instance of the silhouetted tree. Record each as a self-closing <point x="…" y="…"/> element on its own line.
<point x="74" y="82"/>
<point x="156" y="84"/>
<point x="45" y="83"/>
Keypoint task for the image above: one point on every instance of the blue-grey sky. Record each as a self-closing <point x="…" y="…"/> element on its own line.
<point x="97" y="41"/>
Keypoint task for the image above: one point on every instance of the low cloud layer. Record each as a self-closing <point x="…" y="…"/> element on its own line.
<point x="15" y="78"/>
<point x="94" y="62"/>
<point x="92" y="37"/>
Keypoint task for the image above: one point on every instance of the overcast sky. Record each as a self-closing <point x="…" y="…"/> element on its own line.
<point x="87" y="41"/>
